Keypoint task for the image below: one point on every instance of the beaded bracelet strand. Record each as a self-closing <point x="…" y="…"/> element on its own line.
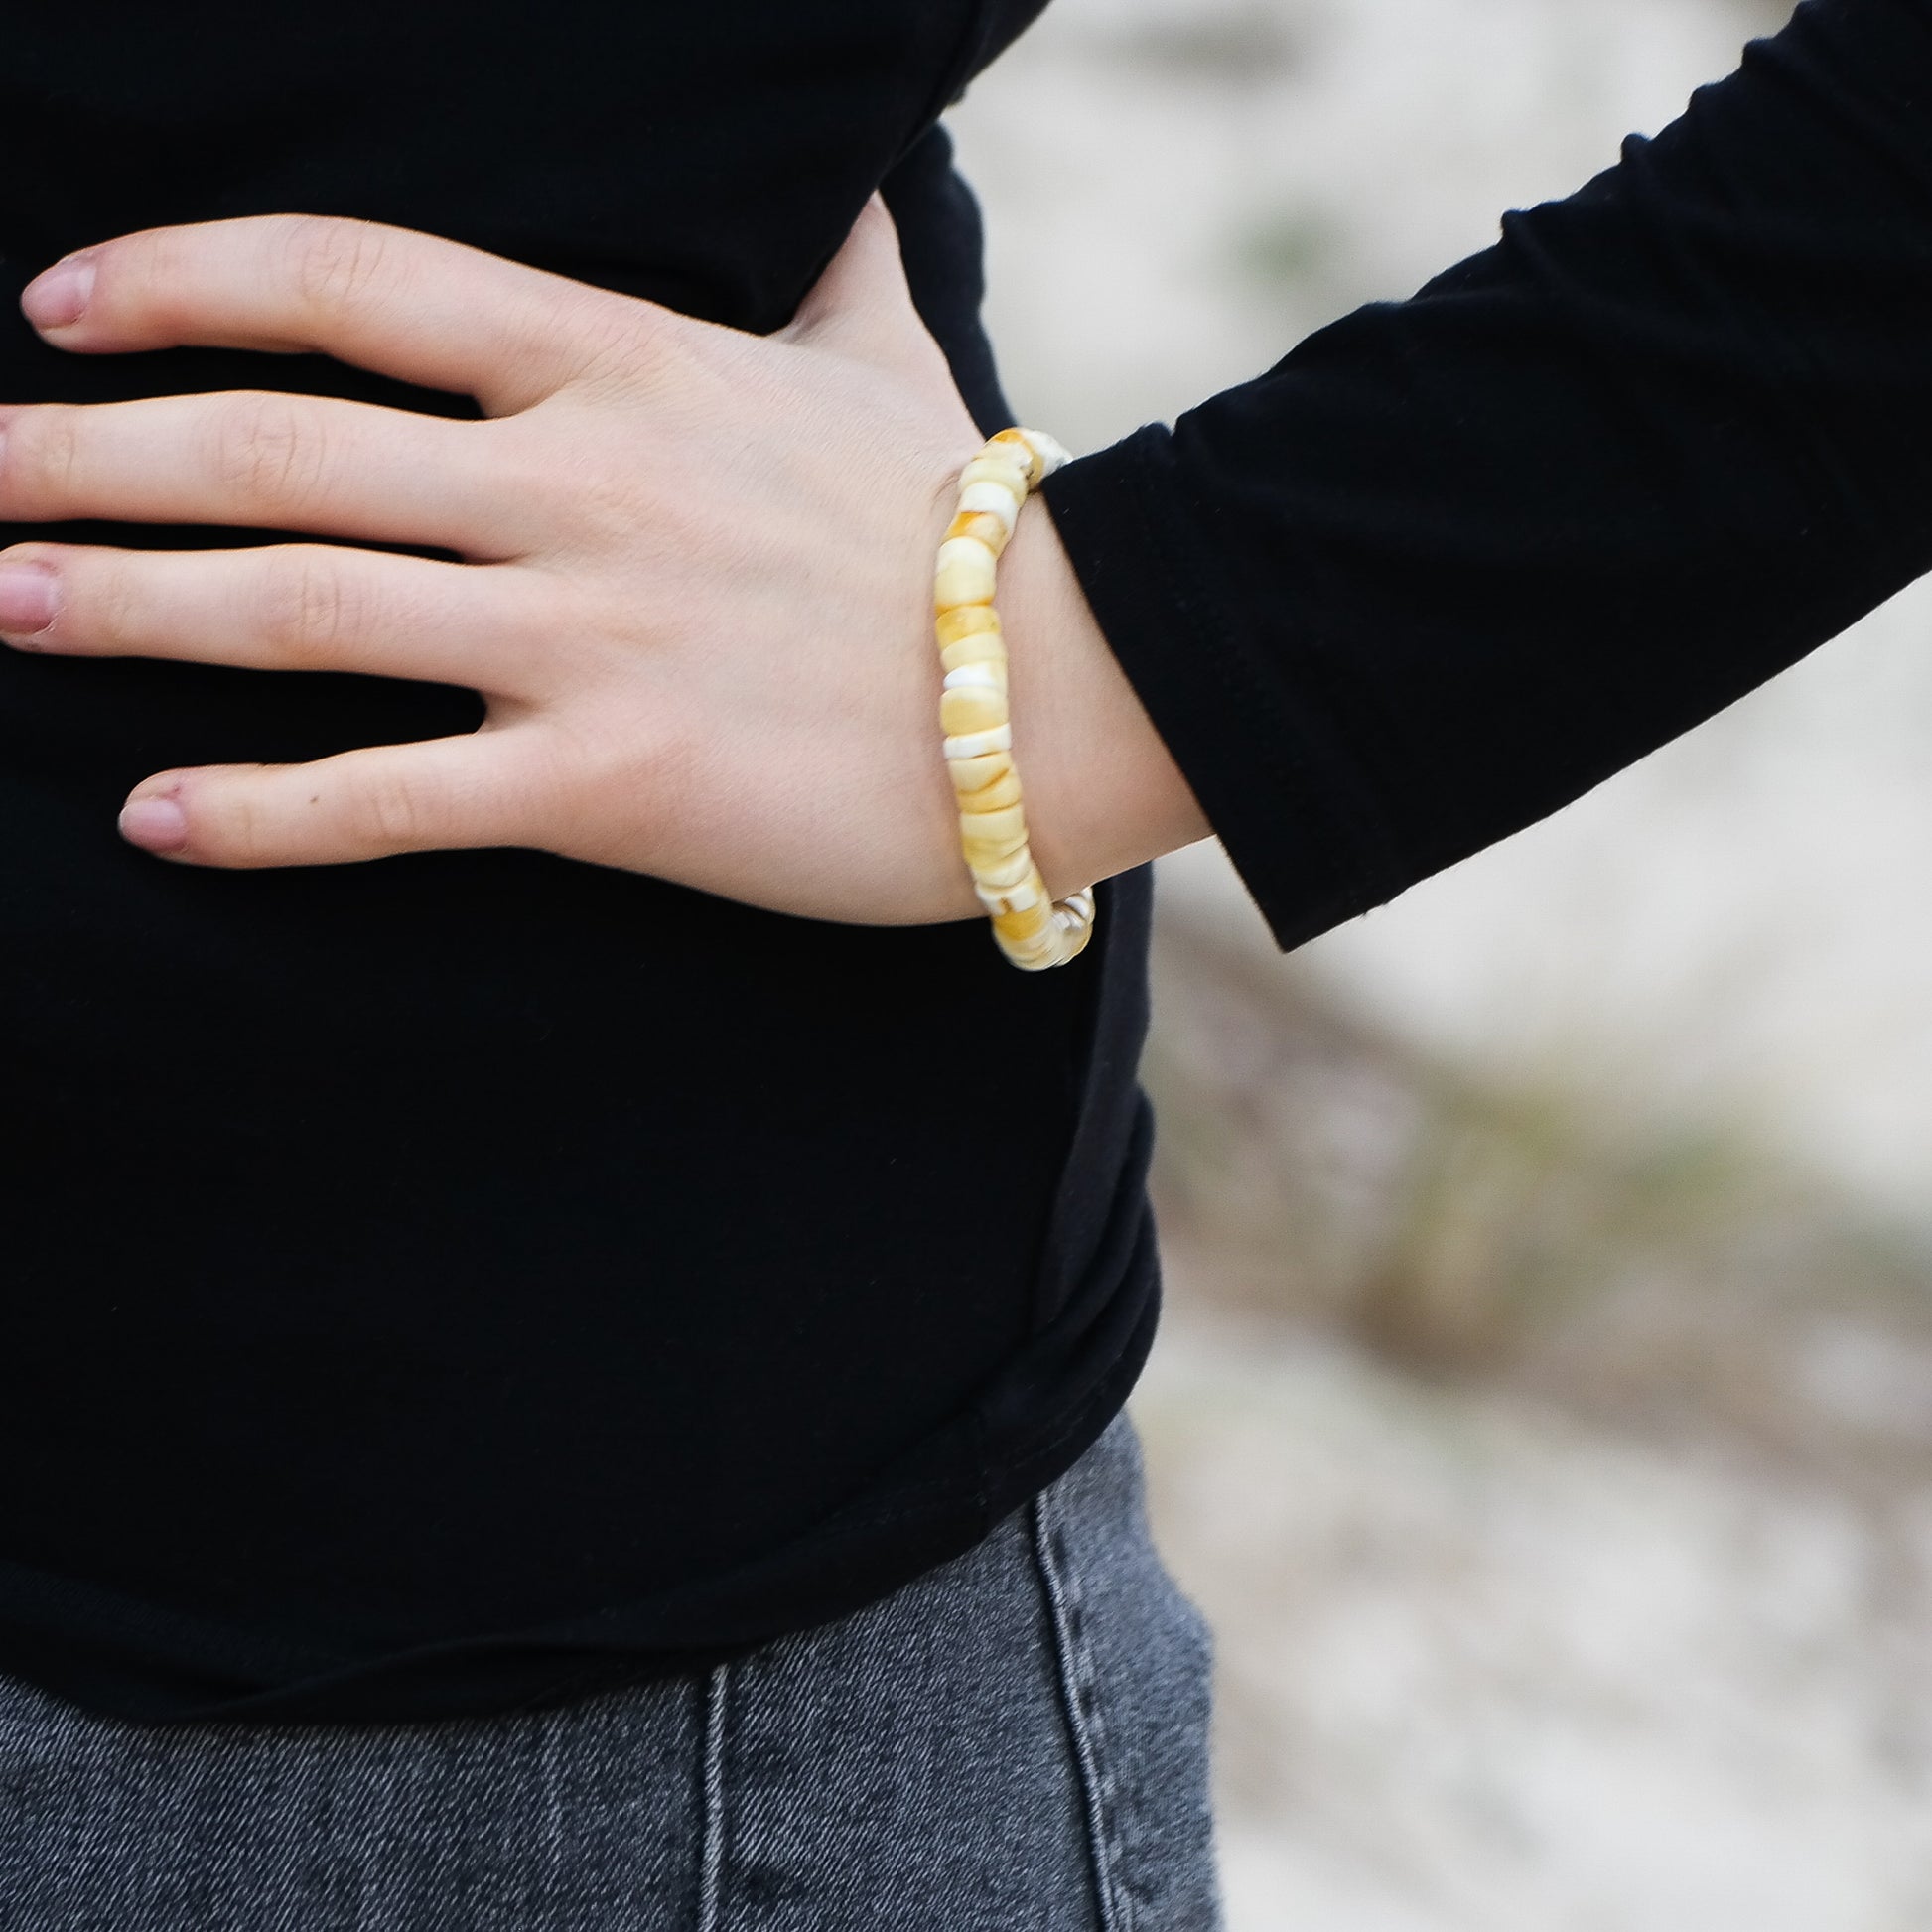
<point x="1033" y="930"/>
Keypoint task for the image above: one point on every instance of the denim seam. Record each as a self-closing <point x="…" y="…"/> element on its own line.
<point x="1080" y="1700"/>
<point x="711" y="1869"/>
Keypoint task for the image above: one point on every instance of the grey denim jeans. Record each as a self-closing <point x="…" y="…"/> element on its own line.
<point x="1015" y="1742"/>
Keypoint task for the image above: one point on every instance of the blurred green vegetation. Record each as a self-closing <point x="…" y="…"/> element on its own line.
<point x="1316" y="1168"/>
<point x="1291" y="247"/>
<point x="1245" y="43"/>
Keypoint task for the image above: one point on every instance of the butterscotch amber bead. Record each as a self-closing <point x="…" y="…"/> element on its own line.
<point x="970" y="774"/>
<point x="1025" y="925"/>
<point x="973" y="708"/>
<point x="992" y="531"/>
<point x="1001" y="822"/>
<point x="994" y="797"/>
<point x="982" y="647"/>
<point x="983" y="860"/>
<point x="1022" y="451"/>
<point x="965" y="621"/>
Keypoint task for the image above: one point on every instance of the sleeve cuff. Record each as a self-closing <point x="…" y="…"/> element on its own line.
<point x="1279" y="793"/>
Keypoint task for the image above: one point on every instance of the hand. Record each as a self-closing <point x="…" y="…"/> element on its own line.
<point x="695" y="595"/>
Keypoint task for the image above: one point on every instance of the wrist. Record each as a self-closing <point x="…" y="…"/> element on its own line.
<point x="1103" y="793"/>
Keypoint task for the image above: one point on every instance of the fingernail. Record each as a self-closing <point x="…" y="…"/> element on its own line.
<point x="61" y="295"/>
<point x="153" y="824"/>
<point x="27" y="599"/>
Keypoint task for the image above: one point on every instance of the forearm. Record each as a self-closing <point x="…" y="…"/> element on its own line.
<point x="1454" y="560"/>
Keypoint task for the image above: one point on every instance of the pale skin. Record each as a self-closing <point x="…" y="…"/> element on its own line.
<point x="696" y="588"/>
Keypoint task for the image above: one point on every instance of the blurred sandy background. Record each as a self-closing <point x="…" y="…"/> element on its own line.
<point x="1543" y="1414"/>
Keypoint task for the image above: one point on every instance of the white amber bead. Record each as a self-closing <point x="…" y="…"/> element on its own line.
<point x="1008" y="472"/>
<point x="1048" y="452"/>
<point x="970" y="711"/>
<point x="1054" y="954"/>
<point x="991" y="499"/>
<point x="988" y="674"/>
<point x="972" y="744"/>
<point x="965" y="572"/>
<point x="1002" y="899"/>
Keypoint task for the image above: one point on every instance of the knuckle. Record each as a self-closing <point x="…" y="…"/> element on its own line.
<point x="152" y="279"/>
<point x="618" y="336"/>
<point x="230" y="833"/>
<point x="622" y="345"/>
<point x="608" y="511"/>
<point x="267" y="448"/>
<point x="308" y="607"/>
<point x="566" y="486"/>
<point x="655" y="762"/>
<point x="334" y="262"/>
<point x="540" y="806"/>
<point x="43" y="450"/>
<point x="102" y="605"/>
<point x="393" y="813"/>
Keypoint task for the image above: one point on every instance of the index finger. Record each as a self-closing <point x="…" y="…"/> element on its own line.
<point x="407" y="305"/>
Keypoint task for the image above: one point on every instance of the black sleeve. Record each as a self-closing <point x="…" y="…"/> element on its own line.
<point x="1456" y="559"/>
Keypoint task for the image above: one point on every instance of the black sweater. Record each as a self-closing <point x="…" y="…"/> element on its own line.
<point x="1455" y="559"/>
<point x="440" y="1284"/>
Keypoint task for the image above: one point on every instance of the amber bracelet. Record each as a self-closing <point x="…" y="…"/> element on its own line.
<point x="1033" y="930"/>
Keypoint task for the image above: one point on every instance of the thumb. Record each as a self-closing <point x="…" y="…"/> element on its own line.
<point x="862" y="302"/>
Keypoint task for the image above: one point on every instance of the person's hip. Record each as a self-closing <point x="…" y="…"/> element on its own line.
<point x="1018" y="1739"/>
